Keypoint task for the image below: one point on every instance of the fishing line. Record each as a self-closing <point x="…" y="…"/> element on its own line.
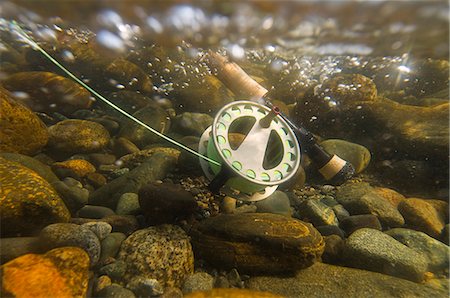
<point x="35" y="46"/>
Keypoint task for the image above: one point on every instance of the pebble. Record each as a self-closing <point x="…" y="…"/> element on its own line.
<point x="277" y="203"/>
<point x="317" y="213"/>
<point x="102" y="159"/>
<point x="95" y="212"/>
<point x="373" y="250"/>
<point x="360" y="198"/>
<point x="76" y="168"/>
<point x="110" y="245"/>
<point x="115" y="291"/>
<point x="234" y="278"/>
<point x="334" y="247"/>
<point x="128" y="204"/>
<point x="77" y="136"/>
<point x="72" y="193"/>
<point x="192" y="124"/>
<point x="199" y="281"/>
<point x="100" y="229"/>
<point x="122" y="146"/>
<point x="161" y="252"/>
<point x="96" y="179"/>
<point x="356" y="222"/>
<point x="357" y="155"/>
<point x="330" y="230"/>
<point x="435" y="251"/>
<point x="340" y="212"/>
<point x="102" y="282"/>
<point x="389" y="194"/>
<point x="422" y="216"/>
<point x="114" y="270"/>
<point x="67" y="234"/>
<point x="154" y="168"/>
<point x="228" y="205"/>
<point x="221" y="282"/>
<point x="144" y="287"/>
<point x="166" y="203"/>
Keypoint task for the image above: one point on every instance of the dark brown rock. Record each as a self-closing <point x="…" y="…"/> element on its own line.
<point x="166" y="202"/>
<point x="257" y="242"/>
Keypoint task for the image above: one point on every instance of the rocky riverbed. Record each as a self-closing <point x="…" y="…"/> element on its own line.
<point x="92" y="204"/>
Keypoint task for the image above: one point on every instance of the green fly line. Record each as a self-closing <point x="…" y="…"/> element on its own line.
<point x="34" y="45"/>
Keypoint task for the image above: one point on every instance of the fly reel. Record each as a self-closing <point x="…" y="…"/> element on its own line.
<point x="256" y="149"/>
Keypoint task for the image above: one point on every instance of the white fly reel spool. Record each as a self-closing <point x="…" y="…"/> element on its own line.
<point x="256" y="148"/>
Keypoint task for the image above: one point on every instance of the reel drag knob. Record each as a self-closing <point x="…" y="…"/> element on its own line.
<point x="266" y="155"/>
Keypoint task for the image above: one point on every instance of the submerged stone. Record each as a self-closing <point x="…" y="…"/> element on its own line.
<point x="257" y="242"/>
<point x="27" y="201"/>
<point x="21" y="131"/>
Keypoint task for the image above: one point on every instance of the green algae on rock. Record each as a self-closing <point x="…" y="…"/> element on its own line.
<point x="21" y="131"/>
<point x="27" y="201"/>
<point x="257" y="242"/>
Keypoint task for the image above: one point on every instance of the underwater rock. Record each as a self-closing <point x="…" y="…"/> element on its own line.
<point x="144" y="287"/>
<point x="154" y="168"/>
<point x="199" y="281"/>
<point x="61" y="272"/>
<point x="115" y="270"/>
<point x="357" y="155"/>
<point x="277" y="203"/>
<point x="422" y="216"/>
<point x="232" y="292"/>
<point x="21" y="131"/>
<point x="436" y="252"/>
<point x="111" y="245"/>
<point x="153" y="116"/>
<point x="330" y="230"/>
<point x="27" y="201"/>
<point x="76" y="168"/>
<point x="360" y="198"/>
<point x="129" y="101"/>
<point x="128" y="204"/>
<point x="166" y="203"/>
<point x="137" y="158"/>
<point x="192" y="124"/>
<point x="77" y="136"/>
<point x="11" y="248"/>
<point x="72" y="193"/>
<point x="375" y="251"/>
<point x="115" y="290"/>
<point x="48" y="92"/>
<point x="95" y="212"/>
<point x="328" y="281"/>
<point x="100" y="229"/>
<point x="317" y="213"/>
<point x="356" y="222"/>
<point x="389" y="194"/>
<point x="96" y="180"/>
<point x="102" y="282"/>
<point x="122" y="146"/>
<point x="162" y="252"/>
<point x="68" y="234"/>
<point x="33" y="164"/>
<point x="251" y="242"/>
<point x="126" y="224"/>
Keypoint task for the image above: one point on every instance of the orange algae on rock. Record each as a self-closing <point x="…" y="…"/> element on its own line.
<point x="79" y="167"/>
<point x="231" y="293"/>
<point x="27" y="201"/>
<point x="61" y="272"/>
<point x="21" y="131"/>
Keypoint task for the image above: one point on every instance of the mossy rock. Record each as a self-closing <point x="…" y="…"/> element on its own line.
<point x="27" y="201"/>
<point x="21" y="131"/>
<point x="257" y="242"/>
<point x="61" y="272"/>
